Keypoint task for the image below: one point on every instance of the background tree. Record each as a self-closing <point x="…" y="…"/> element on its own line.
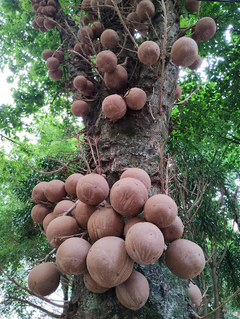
<point x="204" y="139"/>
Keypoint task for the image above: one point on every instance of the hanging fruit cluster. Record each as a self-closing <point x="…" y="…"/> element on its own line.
<point x="131" y="229"/>
<point x="45" y="12"/>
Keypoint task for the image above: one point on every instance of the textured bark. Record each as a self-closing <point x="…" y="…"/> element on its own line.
<point x="133" y="141"/>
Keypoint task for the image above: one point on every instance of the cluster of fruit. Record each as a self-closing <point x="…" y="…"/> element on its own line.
<point x="132" y="229"/>
<point x="45" y="12"/>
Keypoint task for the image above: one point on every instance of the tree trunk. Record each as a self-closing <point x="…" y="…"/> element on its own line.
<point x="133" y="141"/>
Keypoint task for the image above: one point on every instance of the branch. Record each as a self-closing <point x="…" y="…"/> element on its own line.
<point x="38" y="307"/>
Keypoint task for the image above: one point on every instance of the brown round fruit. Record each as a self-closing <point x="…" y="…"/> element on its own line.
<point x="71" y="183"/>
<point x="117" y="79"/>
<point x="80" y="82"/>
<point x="109" y="39"/>
<point x="38" y="213"/>
<point x="106" y="61"/>
<point x="89" y="89"/>
<point x="55" y="190"/>
<point x="134" y="292"/>
<point x="133" y="20"/>
<point x="44" y="279"/>
<point x="132" y="221"/>
<point x="52" y="63"/>
<point x="105" y="222"/>
<point x="56" y="75"/>
<point x="145" y="10"/>
<point x="97" y="28"/>
<point x="192" y="5"/>
<point x="92" y="189"/>
<point x="160" y="210"/>
<point x="114" y="107"/>
<point x="49" y="24"/>
<point x="148" y="52"/>
<point x="92" y="285"/>
<point x="128" y="196"/>
<point x="139" y="174"/>
<point x="38" y="192"/>
<point x="47" y="54"/>
<point x="184" y="258"/>
<point x="60" y="228"/>
<point x="59" y="55"/>
<point x="108" y="262"/>
<point x="47" y="220"/>
<point x="85" y="34"/>
<point x="174" y="231"/>
<point x="135" y="98"/>
<point x="178" y="92"/>
<point x="184" y="51"/>
<point x="196" y="64"/>
<point x="144" y="243"/>
<point x="80" y="108"/>
<point x="204" y="29"/>
<point x="195" y="294"/>
<point x="62" y="207"/>
<point x="83" y="213"/>
<point x="71" y="256"/>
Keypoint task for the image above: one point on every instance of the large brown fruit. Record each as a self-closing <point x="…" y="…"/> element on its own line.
<point x="80" y="108"/>
<point x="117" y="79"/>
<point x="80" y="82"/>
<point x="47" y="54"/>
<point x="128" y="196"/>
<point x="44" y="279"/>
<point x="196" y="64"/>
<point x="106" y="61"/>
<point x="52" y="63"/>
<point x="148" y="52"/>
<point x="132" y="221"/>
<point x="55" y="190"/>
<point x="71" y="256"/>
<point x="47" y="220"/>
<point x="97" y="28"/>
<point x="56" y="75"/>
<point x="144" y="243"/>
<point x="38" y="192"/>
<point x="108" y="262"/>
<point x="184" y="258"/>
<point x="204" y="29"/>
<point x="184" y="51"/>
<point x="92" y="189"/>
<point x="49" y="24"/>
<point x="60" y="228"/>
<point x="85" y="34"/>
<point x="109" y="39"/>
<point x="71" y="183"/>
<point x="160" y="210"/>
<point x="38" y="213"/>
<point x="145" y="10"/>
<point x="105" y="222"/>
<point x="114" y="107"/>
<point x="135" y="98"/>
<point x="139" y="174"/>
<point x="89" y="89"/>
<point x="134" y="292"/>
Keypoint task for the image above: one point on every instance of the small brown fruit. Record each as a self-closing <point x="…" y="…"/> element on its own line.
<point x="117" y="79"/>
<point x="97" y="28"/>
<point x="56" y="75"/>
<point x="85" y="34"/>
<point x="192" y="5"/>
<point x="106" y="61"/>
<point x="38" y="213"/>
<point x="49" y="24"/>
<point x="134" y="292"/>
<point x="204" y="29"/>
<point x="178" y="92"/>
<point x="55" y="190"/>
<point x="173" y="231"/>
<point x="80" y="82"/>
<point x="47" y="54"/>
<point x="71" y="183"/>
<point x="132" y="221"/>
<point x="136" y="98"/>
<point x="148" y="52"/>
<point x="145" y="10"/>
<point x="38" y="192"/>
<point x="114" y="107"/>
<point x="52" y="63"/>
<point x="109" y="39"/>
<point x="195" y="294"/>
<point x="47" y="220"/>
<point x="62" y="207"/>
<point x="196" y="64"/>
<point x="83" y="213"/>
<point x="139" y="174"/>
<point x="92" y="285"/>
<point x="80" y="108"/>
